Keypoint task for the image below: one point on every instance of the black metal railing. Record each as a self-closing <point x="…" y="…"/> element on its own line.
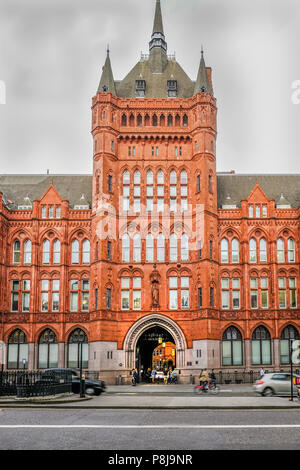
<point x="25" y="384"/>
<point x="242" y="377"/>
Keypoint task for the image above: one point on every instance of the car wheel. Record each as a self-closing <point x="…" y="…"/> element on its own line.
<point x="89" y="391"/>
<point x="268" y="392"/>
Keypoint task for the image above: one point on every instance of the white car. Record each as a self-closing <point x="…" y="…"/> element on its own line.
<point x="277" y="383"/>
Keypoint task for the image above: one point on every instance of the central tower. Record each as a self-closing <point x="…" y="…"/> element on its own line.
<point x="154" y="220"/>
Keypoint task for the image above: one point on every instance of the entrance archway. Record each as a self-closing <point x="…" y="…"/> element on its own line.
<point x="143" y="325"/>
<point x="152" y="341"/>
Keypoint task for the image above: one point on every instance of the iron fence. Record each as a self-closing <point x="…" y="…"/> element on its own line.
<point x="243" y="377"/>
<point x="24" y="384"/>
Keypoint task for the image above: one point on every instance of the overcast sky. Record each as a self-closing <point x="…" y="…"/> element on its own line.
<point x="52" y="52"/>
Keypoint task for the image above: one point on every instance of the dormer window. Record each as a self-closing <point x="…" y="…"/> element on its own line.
<point x="172" y="88"/>
<point x="140" y="88"/>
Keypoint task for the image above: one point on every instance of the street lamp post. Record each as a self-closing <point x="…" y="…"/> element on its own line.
<point x="292" y="384"/>
<point x="82" y="387"/>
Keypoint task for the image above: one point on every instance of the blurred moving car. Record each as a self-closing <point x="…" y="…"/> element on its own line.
<point x="92" y="387"/>
<point x="277" y="383"/>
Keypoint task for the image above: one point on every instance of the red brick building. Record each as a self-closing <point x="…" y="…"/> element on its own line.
<point x="153" y="244"/>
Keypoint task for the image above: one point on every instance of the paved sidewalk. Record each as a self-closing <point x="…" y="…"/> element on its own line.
<point x="162" y="397"/>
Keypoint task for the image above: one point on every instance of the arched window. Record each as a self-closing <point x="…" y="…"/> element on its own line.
<point x="126" y="177"/>
<point x="56" y="252"/>
<point x="16" y="252"/>
<point x="154" y="120"/>
<point x="184" y="247"/>
<point x="232" y="351"/>
<point x="125" y="248"/>
<point x="124" y="120"/>
<point x="224" y="251"/>
<point x="160" y="191"/>
<point x="149" y="191"/>
<point x="170" y="120"/>
<point x="48" y="350"/>
<point x="173" y="191"/>
<point x="17" y="350"/>
<point x="235" y="251"/>
<point x="27" y="252"/>
<point x="173" y="248"/>
<point x="252" y="251"/>
<point x="137" y="191"/>
<point x="126" y="190"/>
<point x="46" y="252"/>
<point x="137" y="248"/>
<point x="86" y="252"/>
<point x="185" y="121"/>
<point x="131" y="120"/>
<point x="280" y="251"/>
<point x="291" y="250"/>
<point x="149" y="248"/>
<point x="75" y="251"/>
<point x="261" y="346"/>
<point x="139" y="120"/>
<point x="78" y="348"/>
<point x="160" y="248"/>
<point x="183" y="190"/>
<point x="262" y="250"/>
<point x="287" y="335"/>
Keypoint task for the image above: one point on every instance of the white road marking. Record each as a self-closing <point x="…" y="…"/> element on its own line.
<point x="136" y="426"/>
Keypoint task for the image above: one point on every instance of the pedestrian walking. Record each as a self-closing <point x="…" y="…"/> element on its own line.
<point x="261" y="372"/>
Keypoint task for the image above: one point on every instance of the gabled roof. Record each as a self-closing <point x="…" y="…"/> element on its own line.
<point x="69" y="187"/>
<point x="240" y="186"/>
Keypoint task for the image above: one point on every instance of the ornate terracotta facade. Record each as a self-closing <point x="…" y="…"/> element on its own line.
<point x="154" y="238"/>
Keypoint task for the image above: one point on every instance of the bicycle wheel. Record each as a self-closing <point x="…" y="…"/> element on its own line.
<point x="198" y="390"/>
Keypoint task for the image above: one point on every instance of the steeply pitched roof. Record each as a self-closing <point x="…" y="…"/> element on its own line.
<point x="240" y="186"/>
<point x="107" y="82"/>
<point x="202" y="83"/>
<point x="156" y="84"/>
<point x="158" y="22"/>
<point x="69" y="187"/>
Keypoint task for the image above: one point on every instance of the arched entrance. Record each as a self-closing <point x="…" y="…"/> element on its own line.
<point x="150" y="323"/>
<point x="151" y="350"/>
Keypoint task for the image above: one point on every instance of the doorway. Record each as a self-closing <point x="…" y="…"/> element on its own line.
<point x="152" y="340"/>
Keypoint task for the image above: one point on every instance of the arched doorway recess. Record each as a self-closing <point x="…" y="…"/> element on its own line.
<point x="158" y="324"/>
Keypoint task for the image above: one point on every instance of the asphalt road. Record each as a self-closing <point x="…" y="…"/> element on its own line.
<point x="149" y="430"/>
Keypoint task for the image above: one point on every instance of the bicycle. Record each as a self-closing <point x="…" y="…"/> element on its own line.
<point x="209" y="388"/>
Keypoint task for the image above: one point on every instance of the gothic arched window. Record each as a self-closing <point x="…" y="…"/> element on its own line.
<point x="261" y="346"/>
<point x="78" y="348"/>
<point x="232" y="350"/>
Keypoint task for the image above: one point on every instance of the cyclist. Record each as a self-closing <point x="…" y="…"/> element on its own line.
<point x="204" y="379"/>
<point x="134" y="376"/>
<point x="213" y="378"/>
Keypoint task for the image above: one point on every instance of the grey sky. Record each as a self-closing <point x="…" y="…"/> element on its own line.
<point x="52" y="52"/>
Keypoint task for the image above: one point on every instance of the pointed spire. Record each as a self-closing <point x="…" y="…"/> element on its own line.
<point x="158" y="23"/>
<point x="107" y="82"/>
<point x="158" y="46"/>
<point x="202" y="84"/>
